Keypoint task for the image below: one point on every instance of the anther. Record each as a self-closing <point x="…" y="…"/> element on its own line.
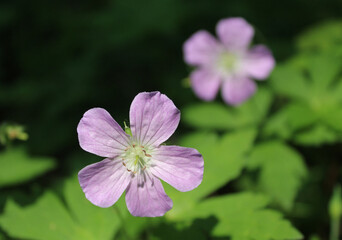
<point x="124" y="164"/>
<point x="147" y="155"/>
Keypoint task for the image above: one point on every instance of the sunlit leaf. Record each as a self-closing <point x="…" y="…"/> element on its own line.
<point x="48" y="218"/>
<point x="323" y="37"/>
<point x="317" y="135"/>
<point x="220" y="116"/>
<point x="224" y="158"/>
<point x="282" y="170"/>
<point x="17" y="166"/>
<point x="243" y="216"/>
<point x="313" y="86"/>
<point x="289" y="82"/>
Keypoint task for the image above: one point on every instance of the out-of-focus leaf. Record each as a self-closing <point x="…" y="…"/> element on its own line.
<point x="317" y="135"/>
<point x="220" y="116"/>
<point x="287" y="81"/>
<point x="48" y="218"/>
<point x="243" y="216"/>
<point x="224" y="159"/>
<point x="290" y="118"/>
<point x="198" y="229"/>
<point x="102" y="223"/>
<point x="282" y="170"/>
<point x="313" y="85"/>
<point x="17" y="166"/>
<point x="323" y="37"/>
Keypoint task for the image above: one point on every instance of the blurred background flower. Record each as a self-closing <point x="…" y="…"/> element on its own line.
<point x="228" y="63"/>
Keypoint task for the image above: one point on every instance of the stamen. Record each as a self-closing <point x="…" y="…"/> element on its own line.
<point x="136" y="159"/>
<point x="147" y="155"/>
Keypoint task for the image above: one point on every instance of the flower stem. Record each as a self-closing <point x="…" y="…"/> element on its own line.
<point x="334" y="229"/>
<point x="122" y="223"/>
<point x="335" y="212"/>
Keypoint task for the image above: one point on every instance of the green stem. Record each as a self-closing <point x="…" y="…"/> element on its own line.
<point x="122" y="223"/>
<point x="334" y="229"/>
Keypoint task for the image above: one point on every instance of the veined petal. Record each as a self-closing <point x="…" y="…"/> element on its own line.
<point x="237" y="90"/>
<point x="100" y="134"/>
<point x="201" y="49"/>
<point x="205" y="84"/>
<point x="153" y="117"/>
<point x="147" y="199"/>
<point x="235" y="33"/>
<point x="180" y="167"/>
<point x="258" y="62"/>
<point x="104" y="182"/>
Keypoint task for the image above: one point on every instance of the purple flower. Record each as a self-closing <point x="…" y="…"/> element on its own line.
<point x="136" y="161"/>
<point x="228" y="62"/>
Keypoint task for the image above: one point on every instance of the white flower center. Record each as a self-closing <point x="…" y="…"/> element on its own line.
<point x="136" y="158"/>
<point x="227" y="63"/>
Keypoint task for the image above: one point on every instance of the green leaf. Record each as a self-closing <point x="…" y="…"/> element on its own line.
<point x="313" y="85"/>
<point x="289" y="119"/>
<point x="49" y="219"/>
<point x="102" y="223"/>
<point x="279" y="164"/>
<point x="17" y="166"/>
<point x="316" y="136"/>
<point x="323" y="37"/>
<point x="219" y="116"/>
<point x="243" y="216"/>
<point x="289" y="82"/>
<point x="224" y="158"/>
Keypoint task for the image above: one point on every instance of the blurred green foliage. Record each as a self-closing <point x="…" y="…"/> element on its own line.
<point x="312" y="84"/>
<point x="48" y="218"/>
<point x="18" y="167"/>
<point x="221" y="117"/>
<point x="279" y="164"/>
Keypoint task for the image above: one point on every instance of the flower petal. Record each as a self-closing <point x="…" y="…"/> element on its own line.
<point x="258" y="62"/>
<point x="147" y="199"/>
<point x="100" y="134"/>
<point x="180" y="167"/>
<point x="153" y="118"/>
<point x="205" y="84"/>
<point x="237" y="90"/>
<point x="104" y="182"/>
<point x="235" y="33"/>
<point x="201" y="49"/>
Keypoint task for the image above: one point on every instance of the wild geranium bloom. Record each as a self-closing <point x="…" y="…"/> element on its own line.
<point x="136" y="161"/>
<point x="229" y="62"/>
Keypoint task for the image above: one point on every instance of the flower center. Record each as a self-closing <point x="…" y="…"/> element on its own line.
<point x="136" y="158"/>
<point x="227" y="61"/>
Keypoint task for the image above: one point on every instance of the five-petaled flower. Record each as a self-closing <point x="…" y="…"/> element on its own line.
<point x="135" y="162"/>
<point x="228" y="62"/>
